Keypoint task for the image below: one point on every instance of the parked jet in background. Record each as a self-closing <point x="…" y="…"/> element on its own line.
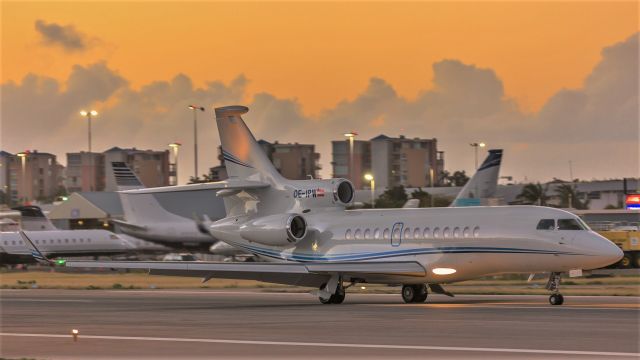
<point x="165" y="217"/>
<point x="483" y="183"/>
<point x="303" y="226"/>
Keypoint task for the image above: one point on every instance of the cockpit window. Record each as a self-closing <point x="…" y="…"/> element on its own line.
<point x="546" y="224"/>
<point x="569" y="224"/>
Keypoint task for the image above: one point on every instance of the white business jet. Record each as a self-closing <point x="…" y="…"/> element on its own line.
<point x="304" y="228"/>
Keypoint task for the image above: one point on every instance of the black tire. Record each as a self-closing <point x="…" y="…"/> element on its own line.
<point x="408" y="293"/>
<point x="556" y="299"/>
<point x="636" y="259"/>
<point x="338" y="297"/>
<point x="626" y="262"/>
<point x="421" y="293"/>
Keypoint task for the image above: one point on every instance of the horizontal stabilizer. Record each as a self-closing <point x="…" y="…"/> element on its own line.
<point x="219" y="185"/>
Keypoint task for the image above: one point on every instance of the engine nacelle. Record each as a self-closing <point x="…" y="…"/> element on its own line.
<point x="275" y="230"/>
<point x="323" y="193"/>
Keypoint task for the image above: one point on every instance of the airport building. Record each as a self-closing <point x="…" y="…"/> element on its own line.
<point x="392" y="161"/>
<point x="87" y="171"/>
<point x="29" y="176"/>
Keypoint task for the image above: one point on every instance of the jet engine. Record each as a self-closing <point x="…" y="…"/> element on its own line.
<point x="275" y="230"/>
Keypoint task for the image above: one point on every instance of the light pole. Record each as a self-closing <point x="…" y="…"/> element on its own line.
<point x="195" y="109"/>
<point x="351" y="135"/>
<point x="371" y="180"/>
<point x="174" y="147"/>
<point x="475" y="147"/>
<point x="23" y="165"/>
<point x="88" y="115"/>
<point x="431" y="183"/>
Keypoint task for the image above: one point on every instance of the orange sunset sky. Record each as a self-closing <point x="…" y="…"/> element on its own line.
<point x="319" y="55"/>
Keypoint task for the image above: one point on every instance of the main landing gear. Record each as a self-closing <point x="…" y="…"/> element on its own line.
<point x="554" y="286"/>
<point x="332" y="292"/>
<point x="414" y="293"/>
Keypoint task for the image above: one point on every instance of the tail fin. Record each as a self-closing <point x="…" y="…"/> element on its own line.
<point x="483" y="183"/>
<point x="244" y="158"/>
<point x="35" y="252"/>
<point x="125" y="178"/>
<point x="33" y="219"/>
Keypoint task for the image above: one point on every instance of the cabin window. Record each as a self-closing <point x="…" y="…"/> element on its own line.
<point x="416" y="233"/>
<point x="466" y="232"/>
<point x="73" y="240"/>
<point x="81" y="240"/>
<point x="456" y="232"/>
<point x="367" y="234"/>
<point x="396" y="233"/>
<point x="66" y="241"/>
<point x="386" y="233"/>
<point x="546" y="224"/>
<point x="13" y="242"/>
<point x="376" y="233"/>
<point x="436" y="233"/>
<point x="347" y="235"/>
<point x="407" y="233"/>
<point x="476" y="231"/>
<point x="426" y="233"/>
<point x="88" y="240"/>
<point x="51" y="241"/>
<point x="358" y="234"/>
<point x="37" y="241"/>
<point x="569" y="224"/>
<point x="446" y="232"/>
<point x="5" y="242"/>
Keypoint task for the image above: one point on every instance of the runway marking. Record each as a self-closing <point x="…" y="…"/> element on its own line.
<point x="49" y="300"/>
<point x="509" y="306"/>
<point x="338" y="345"/>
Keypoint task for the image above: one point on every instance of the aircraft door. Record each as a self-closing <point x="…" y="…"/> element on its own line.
<point x="396" y="234"/>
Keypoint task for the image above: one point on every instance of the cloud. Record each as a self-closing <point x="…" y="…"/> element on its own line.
<point x="66" y="36"/>
<point x="595" y="125"/>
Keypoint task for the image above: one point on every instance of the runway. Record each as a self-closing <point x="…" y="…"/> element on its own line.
<point x="191" y="324"/>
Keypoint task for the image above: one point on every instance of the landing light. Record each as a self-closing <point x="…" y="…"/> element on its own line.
<point x="443" y="271"/>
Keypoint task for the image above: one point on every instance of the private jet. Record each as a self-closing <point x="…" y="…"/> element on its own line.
<point x="311" y="239"/>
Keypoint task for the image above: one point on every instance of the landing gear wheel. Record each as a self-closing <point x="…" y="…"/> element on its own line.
<point x="414" y="293"/>
<point x="626" y="262"/>
<point x="408" y="293"/>
<point x="336" y="298"/>
<point x="556" y="299"/>
<point x="421" y="293"/>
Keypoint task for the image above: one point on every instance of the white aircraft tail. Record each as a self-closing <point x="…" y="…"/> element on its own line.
<point x="483" y="183"/>
<point x="243" y="156"/>
<point x="33" y="219"/>
<point x="125" y="178"/>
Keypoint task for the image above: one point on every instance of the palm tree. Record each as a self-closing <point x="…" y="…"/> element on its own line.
<point x="534" y="194"/>
<point x="569" y="197"/>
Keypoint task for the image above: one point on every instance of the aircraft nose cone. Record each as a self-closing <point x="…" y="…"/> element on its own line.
<point x="611" y="253"/>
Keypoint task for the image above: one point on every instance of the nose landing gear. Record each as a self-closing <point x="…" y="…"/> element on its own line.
<point x="554" y="286"/>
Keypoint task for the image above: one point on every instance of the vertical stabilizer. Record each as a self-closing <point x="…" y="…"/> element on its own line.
<point x="33" y="219"/>
<point x="125" y="178"/>
<point x="243" y="156"/>
<point x="483" y="183"/>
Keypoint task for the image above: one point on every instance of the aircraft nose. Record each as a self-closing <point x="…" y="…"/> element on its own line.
<point x="609" y="252"/>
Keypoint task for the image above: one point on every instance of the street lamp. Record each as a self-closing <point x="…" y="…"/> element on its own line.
<point x="23" y="165"/>
<point x="371" y="180"/>
<point x="88" y="115"/>
<point x="174" y="147"/>
<point x="475" y="147"/>
<point x="351" y="135"/>
<point x="195" y="109"/>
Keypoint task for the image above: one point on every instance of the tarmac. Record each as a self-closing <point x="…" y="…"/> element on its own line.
<point x="249" y="324"/>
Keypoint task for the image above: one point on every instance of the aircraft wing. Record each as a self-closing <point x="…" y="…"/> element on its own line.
<point x="231" y="184"/>
<point x="303" y="274"/>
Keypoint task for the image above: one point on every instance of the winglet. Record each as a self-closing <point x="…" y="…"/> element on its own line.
<point x="35" y="252"/>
